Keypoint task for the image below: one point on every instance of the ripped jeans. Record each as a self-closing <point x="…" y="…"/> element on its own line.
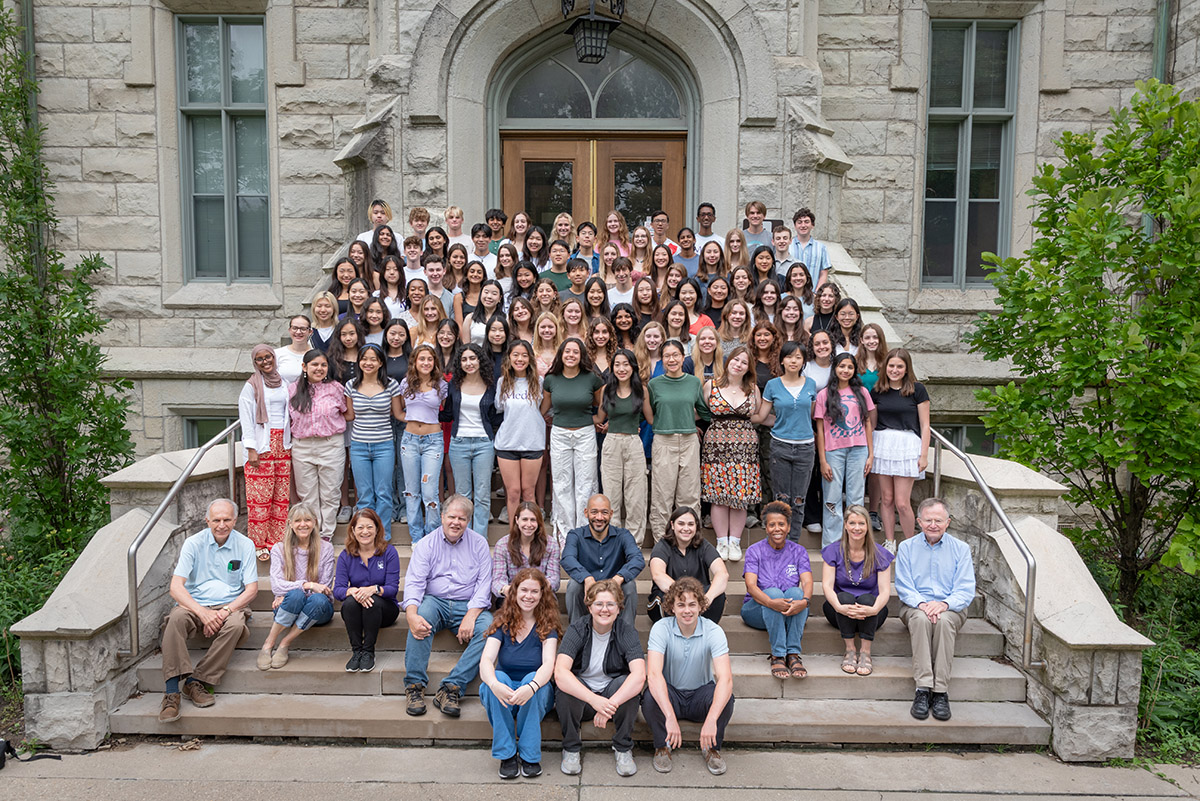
<point x="422" y="459"/>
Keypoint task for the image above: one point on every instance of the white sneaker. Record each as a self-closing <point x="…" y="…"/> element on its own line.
<point x="344" y="514"/>
<point x="625" y="764"/>
<point x="815" y="528"/>
<point x="723" y="550"/>
<point x="734" y="551"/>
<point x="571" y="763"/>
<point x="503" y="518"/>
<point x="890" y="545"/>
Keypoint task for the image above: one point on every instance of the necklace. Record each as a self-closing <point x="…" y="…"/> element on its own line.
<point x="850" y="571"/>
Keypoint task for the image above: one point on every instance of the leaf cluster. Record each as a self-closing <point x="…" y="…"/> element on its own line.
<point x="1100" y="317"/>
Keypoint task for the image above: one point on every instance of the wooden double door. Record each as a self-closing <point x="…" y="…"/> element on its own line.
<point x="590" y="174"/>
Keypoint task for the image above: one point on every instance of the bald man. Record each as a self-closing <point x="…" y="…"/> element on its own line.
<point x="598" y="551"/>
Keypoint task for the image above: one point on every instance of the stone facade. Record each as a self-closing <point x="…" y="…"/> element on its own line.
<point x="797" y="103"/>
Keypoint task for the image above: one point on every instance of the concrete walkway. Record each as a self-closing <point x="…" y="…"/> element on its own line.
<point x="151" y="772"/>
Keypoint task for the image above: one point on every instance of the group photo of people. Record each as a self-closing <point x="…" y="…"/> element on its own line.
<point x="594" y="391"/>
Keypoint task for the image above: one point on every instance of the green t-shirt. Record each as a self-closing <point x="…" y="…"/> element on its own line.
<point x="625" y="416"/>
<point x="675" y="402"/>
<point x="561" y="280"/>
<point x="571" y="399"/>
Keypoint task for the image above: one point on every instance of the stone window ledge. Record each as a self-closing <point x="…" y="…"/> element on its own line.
<point x="200" y="295"/>
<point x="948" y="300"/>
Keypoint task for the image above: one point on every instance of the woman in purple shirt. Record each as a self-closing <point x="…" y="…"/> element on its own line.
<point x="368" y="578"/>
<point x="301" y="572"/>
<point x="779" y="589"/>
<point x="860" y="575"/>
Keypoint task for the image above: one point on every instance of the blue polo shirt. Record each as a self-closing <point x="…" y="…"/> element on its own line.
<point x="687" y="661"/>
<point x="216" y="574"/>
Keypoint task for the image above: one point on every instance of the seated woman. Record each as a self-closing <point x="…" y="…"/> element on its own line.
<point x="301" y="572"/>
<point x="860" y="573"/>
<point x="367" y="587"/>
<point x="779" y="588"/>
<point x="525" y="545"/>
<point x="515" y="672"/>
<point x="683" y="552"/>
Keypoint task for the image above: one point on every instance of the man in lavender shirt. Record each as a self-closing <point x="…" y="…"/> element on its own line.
<point x="448" y="585"/>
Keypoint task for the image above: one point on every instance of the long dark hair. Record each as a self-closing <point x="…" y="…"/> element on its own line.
<point x="612" y="385"/>
<point x="833" y="401"/>
<point x="633" y="331"/>
<point x="457" y="376"/>
<point x="302" y="400"/>
<point x="585" y="359"/>
<point x="337" y="351"/>
<point x="392" y="250"/>
<point x="537" y="548"/>
<point x="839" y="338"/>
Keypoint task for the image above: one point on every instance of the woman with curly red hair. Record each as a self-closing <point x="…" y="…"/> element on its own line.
<point x="515" y="672"/>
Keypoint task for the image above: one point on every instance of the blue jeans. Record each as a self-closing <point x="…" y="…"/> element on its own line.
<point x="472" y="458"/>
<point x="847" y="488"/>
<point x="422" y="460"/>
<point x="304" y="610"/>
<point x="443" y="613"/>
<point x="784" y="632"/>
<point x="372" y="463"/>
<point x="517" y="726"/>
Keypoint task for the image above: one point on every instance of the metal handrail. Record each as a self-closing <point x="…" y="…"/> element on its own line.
<point x="131" y="566"/>
<point x="1030" y="561"/>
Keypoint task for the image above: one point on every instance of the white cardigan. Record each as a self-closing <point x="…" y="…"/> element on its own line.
<point x="258" y="437"/>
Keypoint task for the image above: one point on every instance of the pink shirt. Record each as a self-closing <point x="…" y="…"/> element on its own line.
<point x="851" y="430"/>
<point x="325" y="418"/>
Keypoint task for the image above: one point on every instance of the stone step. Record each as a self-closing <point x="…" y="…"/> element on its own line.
<point x="976" y="638"/>
<point x="734" y="595"/>
<point x="755" y="720"/>
<point x="309" y="672"/>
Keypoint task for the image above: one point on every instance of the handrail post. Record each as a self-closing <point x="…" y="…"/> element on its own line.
<point x="937" y="468"/>
<point x="131" y="556"/>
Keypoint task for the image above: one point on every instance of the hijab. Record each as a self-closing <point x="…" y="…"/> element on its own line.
<point x="262" y="379"/>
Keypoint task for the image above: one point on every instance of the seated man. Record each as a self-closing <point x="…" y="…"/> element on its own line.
<point x="690" y="677"/>
<point x="214" y="582"/>
<point x="600" y="672"/>
<point x="935" y="581"/>
<point x="448" y="585"/>
<point x="599" y="551"/>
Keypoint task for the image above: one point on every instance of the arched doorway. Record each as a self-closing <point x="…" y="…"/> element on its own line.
<point x="593" y="137"/>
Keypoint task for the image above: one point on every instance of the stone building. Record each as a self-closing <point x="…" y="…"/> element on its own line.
<point x="219" y="153"/>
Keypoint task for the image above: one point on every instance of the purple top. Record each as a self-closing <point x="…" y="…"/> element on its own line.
<point x="383" y="570"/>
<point x="281" y="586"/>
<point x="460" y="572"/>
<point x="779" y="569"/>
<point x="422" y="407"/>
<point x="847" y="571"/>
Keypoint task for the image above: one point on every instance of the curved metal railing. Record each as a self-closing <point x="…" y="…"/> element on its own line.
<point x="1030" y="562"/>
<point x="131" y="560"/>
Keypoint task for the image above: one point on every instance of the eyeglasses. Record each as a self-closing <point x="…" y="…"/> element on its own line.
<point x="604" y="605"/>
<point x="299" y="329"/>
<point x="263" y="359"/>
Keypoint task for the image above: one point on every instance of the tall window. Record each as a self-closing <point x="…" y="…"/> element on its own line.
<point x="968" y="160"/>
<point x="223" y="124"/>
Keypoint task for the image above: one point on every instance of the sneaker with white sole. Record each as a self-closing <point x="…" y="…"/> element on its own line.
<point x="723" y="550"/>
<point x="571" y="763"/>
<point x="344" y="514"/>
<point x="503" y="516"/>
<point x="876" y="521"/>
<point x="815" y="528"/>
<point x="890" y="545"/>
<point x="734" y="551"/>
<point x="625" y="764"/>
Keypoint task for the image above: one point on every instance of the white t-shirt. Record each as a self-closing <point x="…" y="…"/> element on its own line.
<point x="701" y="241"/>
<point x="289" y="364"/>
<point x="616" y="296"/>
<point x="593" y="675"/>
<point x="417" y="273"/>
<point x="488" y="261"/>
<point x="367" y="235"/>
<point x="462" y="239"/>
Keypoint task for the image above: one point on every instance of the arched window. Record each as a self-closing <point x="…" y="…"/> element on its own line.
<point x="622" y="86"/>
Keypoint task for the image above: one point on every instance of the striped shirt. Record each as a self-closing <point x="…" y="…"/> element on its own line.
<point x="372" y="415"/>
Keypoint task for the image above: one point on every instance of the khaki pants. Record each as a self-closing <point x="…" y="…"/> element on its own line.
<point x="181" y="625"/>
<point x="674" y="478"/>
<point x="932" y="646"/>
<point x="623" y="474"/>
<point x="318" y="465"/>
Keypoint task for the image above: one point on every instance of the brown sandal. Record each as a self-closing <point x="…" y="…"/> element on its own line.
<point x="796" y="665"/>
<point x="850" y="662"/>
<point x="864" y="665"/>
<point x="778" y="669"/>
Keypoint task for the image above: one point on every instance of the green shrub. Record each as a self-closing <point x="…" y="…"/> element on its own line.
<point x="25" y="584"/>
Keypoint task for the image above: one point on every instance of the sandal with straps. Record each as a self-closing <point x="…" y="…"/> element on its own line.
<point x="796" y="665"/>
<point x="778" y="669"/>
<point x="264" y="554"/>
<point x="850" y="662"/>
<point x="864" y="665"/>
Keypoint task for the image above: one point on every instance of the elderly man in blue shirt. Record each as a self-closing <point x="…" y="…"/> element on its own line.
<point x="596" y="552"/>
<point x="935" y="581"/>
<point x="448" y="586"/>
<point x="214" y="582"/>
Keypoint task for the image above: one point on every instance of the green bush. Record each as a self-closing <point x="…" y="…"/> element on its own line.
<point x="25" y="585"/>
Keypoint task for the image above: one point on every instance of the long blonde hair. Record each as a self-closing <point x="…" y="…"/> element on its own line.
<point x="698" y="364"/>
<point x="622" y="237"/>
<point x="553" y="233"/>
<point x="421" y="331"/>
<point x="743" y="259"/>
<point x="537" y="337"/>
<point x="301" y="512"/>
<point x="645" y="363"/>
<point x="869" y="546"/>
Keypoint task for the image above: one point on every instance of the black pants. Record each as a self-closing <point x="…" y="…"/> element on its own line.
<point x="713" y="612"/>
<point x="363" y="625"/>
<point x="849" y="626"/>
<point x="573" y="711"/>
<point x="814" y="500"/>
<point x="688" y="705"/>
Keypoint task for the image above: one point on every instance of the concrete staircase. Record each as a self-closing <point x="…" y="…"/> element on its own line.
<point x="313" y="696"/>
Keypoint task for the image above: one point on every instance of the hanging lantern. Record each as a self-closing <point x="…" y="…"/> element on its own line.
<point x="591" y="31"/>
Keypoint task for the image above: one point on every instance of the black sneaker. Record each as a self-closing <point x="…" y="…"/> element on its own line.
<point x="353" y="663"/>
<point x="531" y="770"/>
<point x="920" y="705"/>
<point x="414" y="695"/>
<point x="366" y="662"/>
<point x="509" y="768"/>
<point x="940" y="706"/>
<point x="447" y="700"/>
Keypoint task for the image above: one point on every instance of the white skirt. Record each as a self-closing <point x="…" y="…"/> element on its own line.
<point x="896" y="454"/>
